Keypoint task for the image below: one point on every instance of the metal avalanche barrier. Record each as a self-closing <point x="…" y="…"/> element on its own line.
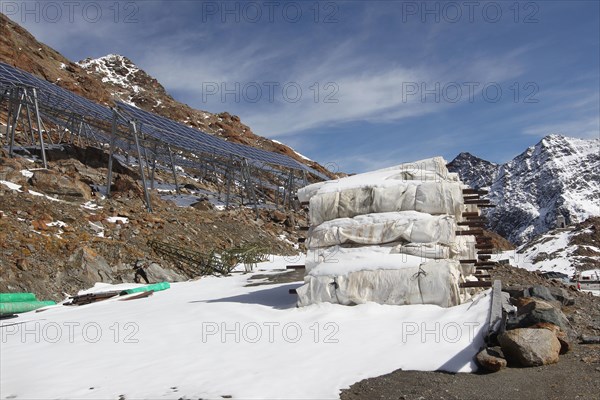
<point x="212" y="263"/>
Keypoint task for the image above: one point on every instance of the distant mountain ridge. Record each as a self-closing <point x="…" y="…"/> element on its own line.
<point x="558" y="176"/>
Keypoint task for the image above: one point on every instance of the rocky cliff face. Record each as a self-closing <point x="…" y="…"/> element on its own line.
<point x="559" y="176"/>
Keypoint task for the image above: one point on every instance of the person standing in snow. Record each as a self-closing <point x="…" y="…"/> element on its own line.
<point x="140" y="272"/>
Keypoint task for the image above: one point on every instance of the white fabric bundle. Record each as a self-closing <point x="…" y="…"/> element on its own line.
<point x="431" y="169"/>
<point x="385" y="280"/>
<point x="405" y="226"/>
<point x="430" y="197"/>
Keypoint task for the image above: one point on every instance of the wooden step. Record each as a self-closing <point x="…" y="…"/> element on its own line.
<point x="475" y="191"/>
<point x="484" y="246"/>
<point x="479" y="202"/>
<point x="483" y="267"/>
<point x="476" y="219"/>
<point x="470" y="223"/>
<point x="484" y="257"/>
<point x="486" y="205"/>
<point x="470" y="232"/>
<point x="295" y="266"/>
<point x="475" y="284"/>
<point x="301" y="240"/>
<point x="467" y="214"/>
<point x="303" y="228"/>
<point x="485" y="263"/>
<point x="468" y="261"/>
<point x="485" y="251"/>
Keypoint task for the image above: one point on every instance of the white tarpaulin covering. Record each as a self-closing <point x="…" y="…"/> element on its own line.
<point x="385" y="279"/>
<point x="437" y="198"/>
<point x="405" y="226"/>
<point x="432" y="169"/>
<point x="387" y="236"/>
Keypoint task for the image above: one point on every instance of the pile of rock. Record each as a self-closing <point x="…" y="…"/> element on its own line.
<point x="536" y="330"/>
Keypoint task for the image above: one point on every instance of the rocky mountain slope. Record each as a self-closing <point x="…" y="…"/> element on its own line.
<point x="557" y="176"/>
<point x="565" y="250"/>
<point x="478" y="172"/>
<point x="116" y="77"/>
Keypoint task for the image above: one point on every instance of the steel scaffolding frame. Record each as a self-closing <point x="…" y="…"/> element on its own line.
<point x="154" y="141"/>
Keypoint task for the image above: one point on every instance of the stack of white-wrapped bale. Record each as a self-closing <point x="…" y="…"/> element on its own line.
<point x="387" y="236"/>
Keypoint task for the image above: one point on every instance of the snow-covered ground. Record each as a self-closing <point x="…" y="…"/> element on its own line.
<point x="216" y="336"/>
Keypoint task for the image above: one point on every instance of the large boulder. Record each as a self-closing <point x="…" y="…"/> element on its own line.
<point x="530" y="347"/>
<point x="565" y="344"/>
<point x="52" y="183"/>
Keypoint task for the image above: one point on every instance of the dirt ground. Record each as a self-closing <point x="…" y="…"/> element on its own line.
<point x="576" y="376"/>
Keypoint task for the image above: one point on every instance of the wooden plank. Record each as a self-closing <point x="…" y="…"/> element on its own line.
<point x="484" y="263"/>
<point x="484" y="257"/>
<point x="139" y="295"/>
<point x="484" y="246"/>
<point x="475" y="191"/>
<point x="475" y="284"/>
<point x="484" y="267"/>
<point x="481" y="275"/>
<point x="476" y="219"/>
<point x="472" y="224"/>
<point x="468" y="261"/>
<point x="295" y="266"/>
<point x="301" y="240"/>
<point x="485" y="251"/>
<point x="303" y="228"/>
<point x="477" y="201"/>
<point x="486" y="205"/>
<point x="470" y="232"/>
<point x="470" y="214"/>
<point x="304" y="203"/>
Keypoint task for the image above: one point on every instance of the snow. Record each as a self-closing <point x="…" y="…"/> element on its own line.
<point x="26" y="173"/>
<point x="115" y="220"/>
<point x="215" y="336"/>
<point x="298" y="154"/>
<point x="10" y="185"/>
<point x="91" y="205"/>
<point x="103" y="66"/>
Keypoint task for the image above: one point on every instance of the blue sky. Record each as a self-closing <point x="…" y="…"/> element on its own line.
<point x="381" y="82"/>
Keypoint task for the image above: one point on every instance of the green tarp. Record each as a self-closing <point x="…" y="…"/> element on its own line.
<point x="154" y="287"/>
<point x="12" y="297"/>
<point x="23" y="306"/>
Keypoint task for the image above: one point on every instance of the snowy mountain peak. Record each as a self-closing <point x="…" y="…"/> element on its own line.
<point x="120" y="72"/>
<point x="559" y="176"/>
<point x="478" y="172"/>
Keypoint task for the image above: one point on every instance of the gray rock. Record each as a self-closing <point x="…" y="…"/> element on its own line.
<point x="156" y="273"/>
<point x="536" y="311"/>
<point x="562" y="295"/>
<point x="541" y="292"/>
<point x="490" y="359"/>
<point x="530" y="347"/>
<point x="53" y="183"/>
<point x="585" y="339"/>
